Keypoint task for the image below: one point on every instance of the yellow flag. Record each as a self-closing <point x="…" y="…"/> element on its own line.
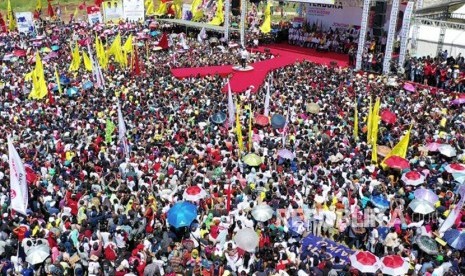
<point x="197" y="12"/>
<point x="250" y="129"/>
<point x="101" y="54"/>
<point x="11" y="18"/>
<point x="87" y="62"/>
<point x="177" y="5"/>
<point x="219" y="15"/>
<point x="266" y="25"/>
<point x="356" y="122"/>
<point x="401" y="148"/>
<point x="149" y="8"/>
<point x="39" y="89"/>
<point x="117" y="51"/>
<point x="369" y="119"/>
<point x="239" y="128"/>
<point x="38" y="5"/>
<point x="57" y="77"/>
<point x="127" y="47"/>
<point x="162" y="9"/>
<point x="76" y="11"/>
<point x="374" y="131"/>
<point x="76" y="61"/>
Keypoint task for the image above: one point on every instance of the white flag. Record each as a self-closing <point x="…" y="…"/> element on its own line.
<point x="267" y="98"/>
<point x="454" y="213"/>
<point x="231" y="107"/>
<point x="285" y="127"/>
<point x="96" y="71"/>
<point x="184" y="43"/>
<point x="202" y="35"/>
<point x="122" y="132"/>
<point x="18" y="186"/>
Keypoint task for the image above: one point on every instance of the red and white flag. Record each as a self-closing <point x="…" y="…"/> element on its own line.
<point x="18" y="186"/>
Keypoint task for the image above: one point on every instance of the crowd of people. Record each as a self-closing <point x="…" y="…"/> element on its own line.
<point x="101" y="212"/>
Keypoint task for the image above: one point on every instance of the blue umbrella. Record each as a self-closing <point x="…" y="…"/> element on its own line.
<point x="182" y="214"/>
<point x="455" y="238"/>
<point x="55" y="88"/>
<point x="55" y="47"/>
<point x="154" y="33"/>
<point x="65" y="80"/>
<point x="380" y="202"/>
<point x="218" y="118"/>
<point x="72" y="91"/>
<point x="87" y="85"/>
<point x="278" y="121"/>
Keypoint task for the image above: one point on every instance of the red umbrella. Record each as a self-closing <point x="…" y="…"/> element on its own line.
<point x="19" y="53"/>
<point x="394" y="265"/>
<point x="388" y="116"/>
<point x="413" y="178"/>
<point x="397" y="162"/>
<point x="262" y="120"/>
<point x="194" y="193"/>
<point x="364" y="261"/>
<point x="455" y="168"/>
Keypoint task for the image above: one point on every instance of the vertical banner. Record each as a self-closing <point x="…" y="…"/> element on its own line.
<point x="391" y="36"/>
<point x="112" y="11"/>
<point x="405" y="32"/>
<point x="25" y="22"/>
<point x="227" y="8"/>
<point x="415" y="29"/>
<point x="243" y="15"/>
<point x="94" y="15"/>
<point x="363" y="33"/>
<point x="18" y="186"/>
<point x="133" y="10"/>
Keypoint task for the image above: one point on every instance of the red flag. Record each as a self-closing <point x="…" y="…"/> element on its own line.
<point x="228" y="202"/>
<point x="136" y="64"/>
<point x="51" y="12"/>
<point x="98" y="3"/>
<point x="2" y="24"/>
<point x="51" y="100"/>
<point x="163" y="43"/>
<point x="31" y="175"/>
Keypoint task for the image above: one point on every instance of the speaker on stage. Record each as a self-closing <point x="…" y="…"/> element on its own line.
<point x="236" y="7"/>
<point x="379" y="18"/>
<point x="381" y="7"/>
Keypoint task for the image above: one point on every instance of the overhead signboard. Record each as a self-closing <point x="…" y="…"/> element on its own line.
<point x="133" y="10"/>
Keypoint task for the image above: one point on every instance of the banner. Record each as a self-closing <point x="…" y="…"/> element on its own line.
<point x="134" y="10"/>
<point x="405" y="32"/>
<point x="242" y="24"/>
<point x="315" y="2"/>
<point x="94" y="15"/>
<point x="452" y="217"/>
<point x="186" y="11"/>
<point x="312" y="244"/>
<point x="112" y="11"/>
<point x="25" y="22"/>
<point x="18" y="186"/>
<point x="363" y="33"/>
<point x="334" y="16"/>
<point x="413" y="44"/>
<point x="391" y="36"/>
<point x="227" y="8"/>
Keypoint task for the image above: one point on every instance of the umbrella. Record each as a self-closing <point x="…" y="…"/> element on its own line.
<point x="388" y="116"/>
<point x="55" y="47"/>
<point x="458" y="101"/>
<point x="383" y="150"/>
<point x="19" y="53"/>
<point x="426" y="194"/>
<point x="252" y="159"/>
<point x="433" y="146"/>
<point x="459" y="177"/>
<point x="455" y="238"/>
<point x="87" y="85"/>
<point x="286" y="154"/>
<point x="194" y="193"/>
<point x="278" y="121"/>
<point x="166" y="194"/>
<point x="213" y="40"/>
<point x="64" y="80"/>
<point x="413" y="178"/>
<point x="262" y="120"/>
<point x="409" y="87"/>
<point x="313" y="108"/>
<point x="427" y="244"/>
<point x="45" y="50"/>
<point x="37" y="256"/>
<point x="262" y="212"/>
<point x="364" y="261"/>
<point x="72" y="91"/>
<point x="397" y="162"/>
<point x="447" y="150"/>
<point x="51" y="55"/>
<point x="182" y="214"/>
<point x="380" y="202"/>
<point x="294" y="223"/>
<point x="394" y="265"/>
<point x="218" y="118"/>
<point x="319" y="199"/>
<point x="246" y="239"/>
<point x="421" y="206"/>
<point x="455" y="168"/>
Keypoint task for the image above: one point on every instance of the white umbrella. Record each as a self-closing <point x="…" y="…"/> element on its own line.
<point x="364" y="261"/>
<point x="262" y="212"/>
<point x="394" y="265"/>
<point x="420" y="206"/>
<point x="319" y="199"/>
<point x="246" y="239"/>
<point x="447" y="150"/>
<point x="194" y="193"/>
<point x="37" y="256"/>
<point x="413" y="178"/>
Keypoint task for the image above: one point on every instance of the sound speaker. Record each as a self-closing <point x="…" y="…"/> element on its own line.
<point x="378" y="32"/>
<point x="378" y="21"/>
<point x="236" y="7"/>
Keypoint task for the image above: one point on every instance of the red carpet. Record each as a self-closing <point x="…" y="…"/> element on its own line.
<point x="285" y="54"/>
